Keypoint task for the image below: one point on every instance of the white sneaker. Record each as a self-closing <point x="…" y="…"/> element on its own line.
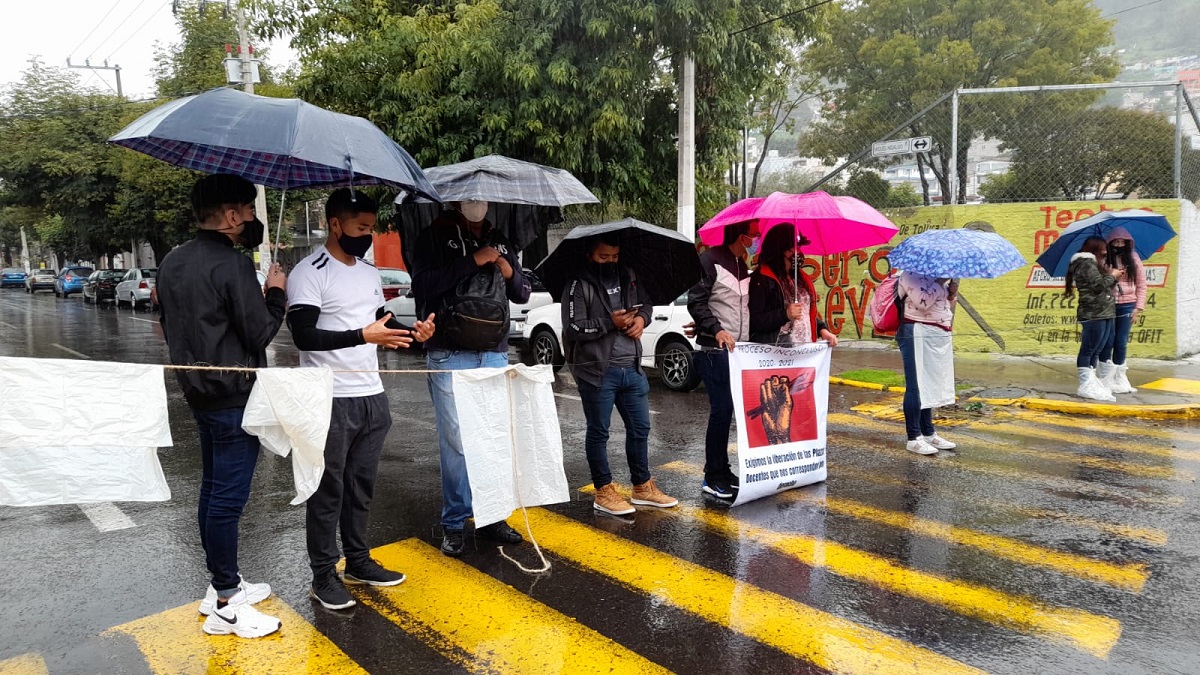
<point x="241" y="619"/>
<point x="920" y="447"/>
<point x="940" y="443"/>
<point x="255" y="593"/>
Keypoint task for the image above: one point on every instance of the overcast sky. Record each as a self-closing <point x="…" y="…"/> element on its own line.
<point x="122" y="31"/>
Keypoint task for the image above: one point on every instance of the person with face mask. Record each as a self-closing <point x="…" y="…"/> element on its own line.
<point x="337" y="320"/>
<point x="783" y="302"/>
<point x="720" y="306"/>
<point x="604" y="312"/>
<point x="214" y="313"/>
<point x="1130" y="296"/>
<point x="461" y="246"/>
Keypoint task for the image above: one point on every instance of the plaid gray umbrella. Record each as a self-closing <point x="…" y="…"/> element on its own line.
<point x="281" y="143"/>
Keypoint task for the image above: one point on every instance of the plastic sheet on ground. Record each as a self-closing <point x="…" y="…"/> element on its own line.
<point x="289" y="410"/>
<point x="78" y="432"/>
<point x="510" y="438"/>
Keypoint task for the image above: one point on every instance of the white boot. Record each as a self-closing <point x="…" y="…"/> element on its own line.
<point x="1104" y="372"/>
<point x="1120" y="382"/>
<point x="1091" y="388"/>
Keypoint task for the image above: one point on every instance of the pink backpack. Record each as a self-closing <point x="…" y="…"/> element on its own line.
<point x="884" y="310"/>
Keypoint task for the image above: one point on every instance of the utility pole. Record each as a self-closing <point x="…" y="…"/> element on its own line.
<point x="248" y="73"/>
<point x="685" y="218"/>
<point x="115" y="68"/>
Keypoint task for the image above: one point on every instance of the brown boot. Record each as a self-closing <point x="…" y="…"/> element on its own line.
<point x="648" y="494"/>
<point x="609" y="501"/>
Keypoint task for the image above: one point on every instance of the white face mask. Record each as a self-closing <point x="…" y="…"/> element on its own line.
<point x="473" y="211"/>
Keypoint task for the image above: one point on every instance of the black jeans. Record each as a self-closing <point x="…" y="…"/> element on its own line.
<point x="713" y="366"/>
<point x="628" y="390"/>
<point x="357" y="430"/>
<point x="918" y="421"/>
<point x="1096" y="335"/>
<point x="228" y="456"/>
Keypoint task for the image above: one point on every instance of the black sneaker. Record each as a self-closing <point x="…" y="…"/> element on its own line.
<point x="453" y="543"/>
<point x="371" y="573"/>
<point x="500" y="532"/>
<point x="718" y="489"/>
<point x="329" y="590"/>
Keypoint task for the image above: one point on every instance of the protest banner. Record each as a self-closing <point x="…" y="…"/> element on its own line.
<point x="780" y="399"/>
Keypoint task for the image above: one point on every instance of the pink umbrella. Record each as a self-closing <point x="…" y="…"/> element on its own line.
<point x="832" y="224"/>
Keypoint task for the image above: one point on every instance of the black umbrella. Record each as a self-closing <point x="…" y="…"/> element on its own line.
<point x="665" y="260"/>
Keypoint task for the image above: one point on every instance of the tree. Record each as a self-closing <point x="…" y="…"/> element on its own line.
<point x="888" y="59"/>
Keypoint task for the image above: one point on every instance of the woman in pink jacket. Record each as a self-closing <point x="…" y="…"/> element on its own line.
<point x="1130" y="293"/>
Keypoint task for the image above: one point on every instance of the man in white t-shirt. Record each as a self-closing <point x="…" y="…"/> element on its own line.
<point x="335" y="313"/>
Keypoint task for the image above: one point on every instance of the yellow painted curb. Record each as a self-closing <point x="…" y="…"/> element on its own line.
<point x="865" y="385"/>
<point x="1176" y="411"/>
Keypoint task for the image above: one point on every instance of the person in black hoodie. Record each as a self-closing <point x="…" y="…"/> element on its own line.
<point x="783" y="302"/>
<point x="214" y="313"/>
<point x="459" y="245"/>
<point x="604" y="311"/>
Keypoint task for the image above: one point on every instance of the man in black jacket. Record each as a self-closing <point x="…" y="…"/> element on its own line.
<point x="453" y="249"/>
<point x="214" y="314"/>
<point x="604" y="313"/>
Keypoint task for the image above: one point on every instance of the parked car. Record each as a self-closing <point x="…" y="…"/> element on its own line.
<point x="70" y="280"/>
<point x="136" y="287"/>
<point x="40" y="280"/>
<point x="12" y="277"/>
<point x="665" y="347"/>
<point x="101" y="286"/>
<point x="395" y="282"/>
<point x="404" y="307"/>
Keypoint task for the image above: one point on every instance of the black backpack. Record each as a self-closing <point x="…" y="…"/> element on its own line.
<point x="475" y="315"/>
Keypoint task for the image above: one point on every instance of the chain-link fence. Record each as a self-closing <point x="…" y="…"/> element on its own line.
<point x="1076" y="142"/>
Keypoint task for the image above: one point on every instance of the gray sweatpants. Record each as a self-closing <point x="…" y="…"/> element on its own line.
<point x="357" y="430"/>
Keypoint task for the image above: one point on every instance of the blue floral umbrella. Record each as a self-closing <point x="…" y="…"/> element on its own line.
<point x="957" y="254"/>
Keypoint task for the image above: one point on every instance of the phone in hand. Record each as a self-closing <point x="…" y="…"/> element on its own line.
<point x="635" y="307"/>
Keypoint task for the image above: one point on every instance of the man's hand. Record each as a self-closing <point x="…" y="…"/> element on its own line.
<point x="393" y="338"/>
<point x="505" y="268"/>
<point x="725" y="340"/>
<point x="424" y="329"/>
<point x="829" y="337"/>
<point x="635" y="327"/>
<point x="486" y="255"/>
<point x="775" y="396"/>
<point x="276" y="278"/>
<point x="689" y="329"/>
<point x="622" y="318"/>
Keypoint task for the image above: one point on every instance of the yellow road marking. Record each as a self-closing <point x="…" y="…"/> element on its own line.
<point x="828" y="641"/>
<point x="1130" y="576"/>
<point x="173" y="642"/>
<point x="1108" y="444"/>
<point x="25" y="664"/>
<point x="485" y="626"/>
<point x="1174" y="384"/>
<point x="1129" y="428"/>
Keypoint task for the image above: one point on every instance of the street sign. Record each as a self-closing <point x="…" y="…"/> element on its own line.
<point x="885" y="148"/>
<point x="922" y="143"/>
<point x="1195" y="142"/>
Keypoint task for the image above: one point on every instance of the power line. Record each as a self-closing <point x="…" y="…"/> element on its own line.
<point x="781" y="17"/>
<point x="138" y="30"/>
<point x="95" y="28"/>
<point x="1130" y="9"/>
<point x="114" y="31"/>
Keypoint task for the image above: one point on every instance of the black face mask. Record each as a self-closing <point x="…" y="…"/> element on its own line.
<point x="355" y="246"/>
<point x="252" y="233"/>
<point x="604" y="270"/>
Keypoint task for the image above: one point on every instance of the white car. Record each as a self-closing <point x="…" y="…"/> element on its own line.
<point x="665" y="347"/>
<point x="136" y="287"/>
<point x="404" y="308"/>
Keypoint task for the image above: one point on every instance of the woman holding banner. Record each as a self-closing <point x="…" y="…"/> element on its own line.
<point x="783" y="302"/>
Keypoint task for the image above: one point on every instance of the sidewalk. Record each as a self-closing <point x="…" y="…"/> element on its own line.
<point x="1045" y="383"/>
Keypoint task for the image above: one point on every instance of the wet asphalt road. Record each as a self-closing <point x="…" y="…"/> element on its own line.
<point x="1044" y="545"/>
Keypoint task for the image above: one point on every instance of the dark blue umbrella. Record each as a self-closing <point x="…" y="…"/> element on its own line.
<point x="282" y="143"/>
<point x="1149" y="231"/>
<point x="957" y="254"/>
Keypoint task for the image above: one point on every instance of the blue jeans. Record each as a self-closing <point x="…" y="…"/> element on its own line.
<point x="713" y="366"/>
<point x="1115" y="350"/>
<point x="1097" y="334"/>
<point x="229" y="456"/>
<point x="918" y="421"/>
<point x="456" y="488"/>
<point x="628" y="390"/>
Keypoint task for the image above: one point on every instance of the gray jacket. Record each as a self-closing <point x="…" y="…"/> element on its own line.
<point x="588" y="330"/>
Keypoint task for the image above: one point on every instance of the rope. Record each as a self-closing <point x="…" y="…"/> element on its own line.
<point x="512" y="434"/>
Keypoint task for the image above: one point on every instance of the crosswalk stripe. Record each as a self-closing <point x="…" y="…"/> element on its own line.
<point x="1122" y="429"/>
<point x="173" y="642"/>
<point x="25" y="664"/>
<point x="1007" y="472"/>
<point x="1108" y="444"/>
<point x="1140" y="470"/>
<point x="1149" y="535"/>
<point x="484" y="625"/>
<point x="1173" y="384"/>
<point x="828" y="641"/>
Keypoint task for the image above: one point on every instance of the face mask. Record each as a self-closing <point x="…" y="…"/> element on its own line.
<point x="474" y="212"/>
<point x="355" y="246"/>
<point x="252" y="233"/>
<point x="608" y="270"/>
<point x="752" y="249"/>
